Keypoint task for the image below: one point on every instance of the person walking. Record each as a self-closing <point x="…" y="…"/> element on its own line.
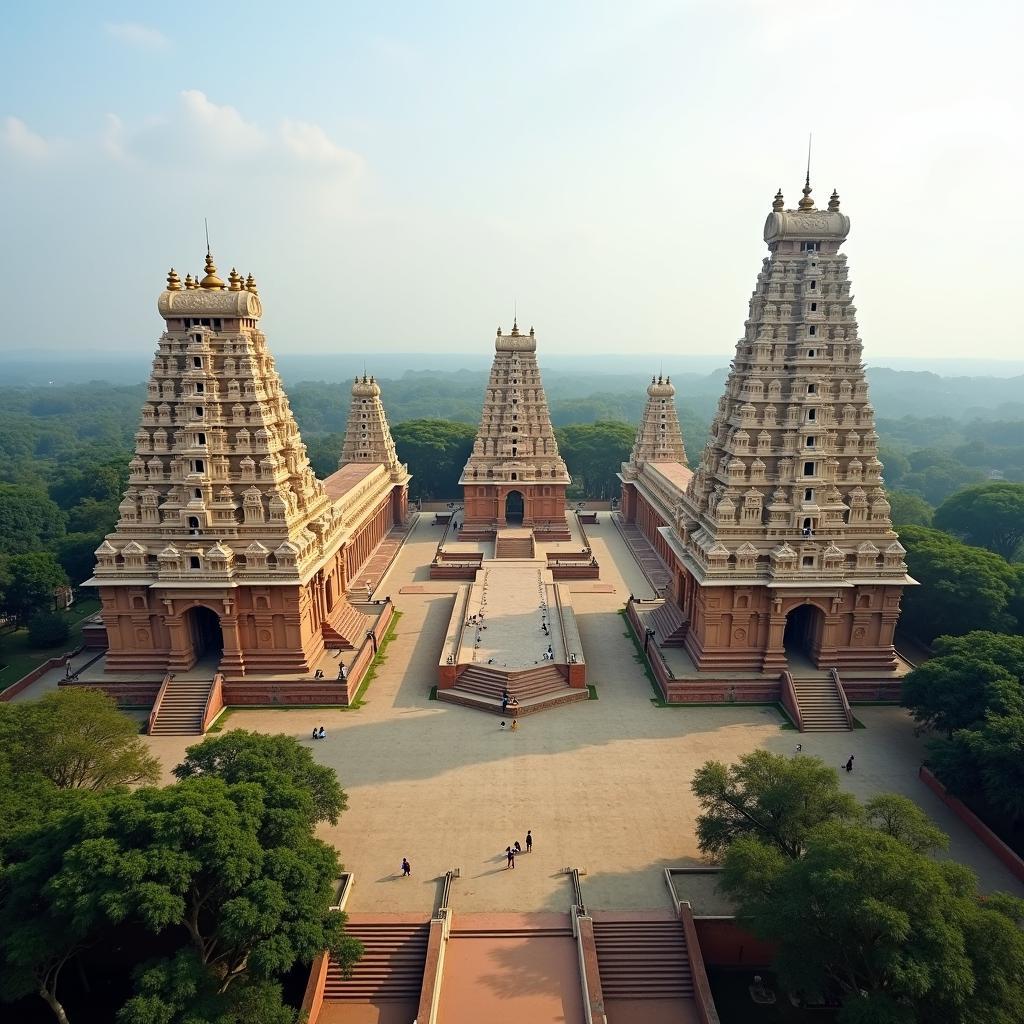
<point x="517" y="847"/>
<point x="529" y="840"/>
<point x="515" y="724"/>
<point x="406" y="868"/>
<point x="510" y="858"/>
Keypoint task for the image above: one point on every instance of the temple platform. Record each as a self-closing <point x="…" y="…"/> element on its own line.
<point x="512" y="631"/>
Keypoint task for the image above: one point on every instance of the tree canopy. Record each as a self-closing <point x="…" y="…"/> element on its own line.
<point x="963" y="588"/>
<point x="990" y="515"/>
<point x="594" y="453"/>
<point x="28" y="583"/>
<point x="776" y="799"/>
<point x="436" y="452"/>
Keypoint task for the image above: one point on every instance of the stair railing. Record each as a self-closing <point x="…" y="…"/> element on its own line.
<point x="155" y="710"/>
<point x="214" y="702"/>
<point x="440" y="929"/>
<point x="847" y="710"/>
<point x="790" y="701"/>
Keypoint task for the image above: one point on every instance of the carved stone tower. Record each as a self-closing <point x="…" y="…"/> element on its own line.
<point x="658" y="438"/>
<point x="515" y="475"/>
<point x="784" y="528"/>
<point x="367" y="435"/>
<point x="223" y="523"/>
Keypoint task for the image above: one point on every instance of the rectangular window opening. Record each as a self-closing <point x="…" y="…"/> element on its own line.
<point x="808" y="469"/>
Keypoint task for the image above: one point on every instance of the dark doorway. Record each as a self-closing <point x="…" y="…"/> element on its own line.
<point x="207" y="638"/>
<point x="803" y="632"/>
<point x="514" y="507"/>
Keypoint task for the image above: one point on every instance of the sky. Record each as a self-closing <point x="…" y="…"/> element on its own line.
<point x="405" y="176"/>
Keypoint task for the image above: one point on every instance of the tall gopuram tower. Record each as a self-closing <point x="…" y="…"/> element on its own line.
<point x="515" y="476"/>
<point x="367" y="435"/>
<point x="783" y="533"/>
<point x="227" y="545"/>
<point x="657" y="470"/>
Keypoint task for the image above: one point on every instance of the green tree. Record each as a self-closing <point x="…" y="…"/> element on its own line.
<point x="901" y="937"/>
<point x="901" y="818"/>
<point x="246" y="880"/>
<point x="909" y="509"/>
<point x="29" y="581"/>
<point x="48" y="629"/>
<point x="76" y="553"/>
<point x="594" y="453"/>
<point x="29" y="520"/>
<point x="75" y="738"/>
<point x="436" y="452"/>
<point x="963" y="588"/>
<point x="989" y="515"/>
<point x="280" y="763"/>
<point x="776" y="799"/>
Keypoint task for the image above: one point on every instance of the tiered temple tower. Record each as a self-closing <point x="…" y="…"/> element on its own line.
<point x="783" y="533"/>
<point x="659" y="437"/>
<point x="367" y="435"/>
<point x="226" y="540"/>
<point x="515" y="475"/>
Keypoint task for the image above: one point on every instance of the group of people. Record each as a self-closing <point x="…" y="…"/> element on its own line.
<point x="508" y="701"/>
<point x="515" y="723"/>
<point x="511" y="851"/>
<point x="319" y="733"/>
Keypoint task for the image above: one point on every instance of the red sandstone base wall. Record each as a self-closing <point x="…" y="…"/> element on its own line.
<point x="723" y="943"/>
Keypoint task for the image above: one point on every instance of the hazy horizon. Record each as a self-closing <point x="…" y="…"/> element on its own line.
<point x="416" y="173"/>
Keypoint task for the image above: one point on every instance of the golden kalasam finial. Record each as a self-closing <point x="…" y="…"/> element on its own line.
<point x="250" y="285"/>
<point x="211" y="281"/>
<point x="778" y="203"/>
<point x="531" y="332"/>
<point x="833" y="202"/>
<point x="234" y="281"/>
<point x="173" y="281"/>
<point x="189" y="283"/>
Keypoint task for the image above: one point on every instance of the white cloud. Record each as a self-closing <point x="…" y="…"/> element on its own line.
<point x="219" y="129"/>
<point x="131" y="33"/>
<point x="20" y="139"/>
<point x="309" y="143"/>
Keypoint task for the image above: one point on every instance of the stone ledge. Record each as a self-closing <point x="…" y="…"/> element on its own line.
<point x="529" y="706"/>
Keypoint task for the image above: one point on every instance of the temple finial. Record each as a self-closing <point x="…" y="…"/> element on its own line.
<point x="833" y="202"/>
<point x="778" y="203"/>
<point x="250" y="285"/>
<point x="211" y="281"/>
<point x="173" y="281"/>
<point x="807" y="203"/>
<point x="234" y="281"/>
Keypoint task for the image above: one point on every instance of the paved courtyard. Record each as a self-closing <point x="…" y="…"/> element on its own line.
<point x="604" y="785"/>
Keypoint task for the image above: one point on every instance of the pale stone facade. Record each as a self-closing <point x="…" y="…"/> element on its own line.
<point x="515" y="474"/>
<point x="659" y="437"/>
<point x="226" y="541"/>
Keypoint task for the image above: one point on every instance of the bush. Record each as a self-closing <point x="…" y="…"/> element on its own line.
<point x="47" y="629"/>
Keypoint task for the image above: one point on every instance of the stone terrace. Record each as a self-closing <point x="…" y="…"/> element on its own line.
<point x="604" y="785"/>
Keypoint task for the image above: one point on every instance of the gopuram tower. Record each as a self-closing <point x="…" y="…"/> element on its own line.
<point x="515" y="476"/>
<point x="227" y="545"/>
<point x="367" y="435"/>
<point x="783" y="537"/>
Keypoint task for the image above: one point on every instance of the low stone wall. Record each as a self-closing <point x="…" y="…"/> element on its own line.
<point x="453" y="571"/>
<point x="860" y="691"/>
<point x="574" y="570"/>
<point x="1010" y="859"/>
<point x="36" y="674"/>
<point x="723" y="943"/>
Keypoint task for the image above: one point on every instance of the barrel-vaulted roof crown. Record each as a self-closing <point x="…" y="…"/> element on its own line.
<point x="201" y="302"/>
<point x="806" y="225"/>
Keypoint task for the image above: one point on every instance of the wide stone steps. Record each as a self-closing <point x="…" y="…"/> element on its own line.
<point x="504" y="548"/>
<point x="348" y="629"/>
<point x="667" y="619"/>
<point x="643" y="960"/>
<point x="821" y="708"/>
<point x="521" y="685"/>
<point x="526" y="706"/>
<point x="181" y="711"/>
<point x="391" y="966"/>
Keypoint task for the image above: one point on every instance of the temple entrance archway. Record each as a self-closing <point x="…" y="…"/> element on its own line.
<point x="205" y="632"/>
<point x="802" y="638"/>
<point x="514" y="506"/>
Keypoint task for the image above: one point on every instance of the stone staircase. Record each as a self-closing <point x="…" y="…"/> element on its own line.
<point x="642" y="959"/>
<point x="181" y="710"/>
<point x="347" y="631"/>
<point x="518" y="544"/>
<point x="667" y="619"/>
<point x="391" y="967"/>
<point x="650" y="562"/>
<point x="531" y="682"/>
<point x="821" y="707"/>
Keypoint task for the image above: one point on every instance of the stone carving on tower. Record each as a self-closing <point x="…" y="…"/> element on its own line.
<point x="787" y="506"/>
<point x="515" y="475"/>
<point x="220" y="495"/>
<point x="367" y="435"/>
<point x="659" y="437"/>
